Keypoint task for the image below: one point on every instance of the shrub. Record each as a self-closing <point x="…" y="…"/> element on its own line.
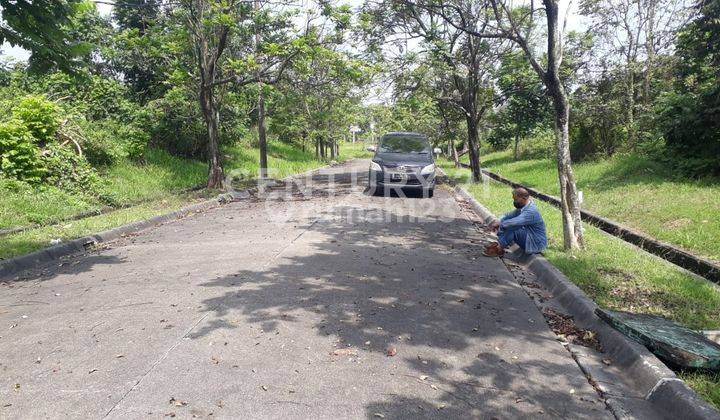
<point x="19" y="157"/>
<point x="98" y="142"/>
<point x="39" y="115"/>
<point x="540" y="144"/>
<point x="69" y="171"/>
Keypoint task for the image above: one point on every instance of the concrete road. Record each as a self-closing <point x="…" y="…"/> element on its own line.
<point x="288" y="308"/>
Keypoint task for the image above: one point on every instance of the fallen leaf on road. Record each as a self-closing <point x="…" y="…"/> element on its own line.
<point x="264" y="388"/>
<point x="392" y="351"/>
<point x="118" y="356"/>
<point x="345" y="352"/>
<point x="379" y="415"/>
<point x="215" y="360"/>
<point x="170" y="415"/>
<point x="441" y="406"/>
<point x="433" y="387"/>
<point x="92" y="371"/>
<point x="517" y="400"/>
<point x="177" y="403"/>
<point x="423" y="377"/>
<point x="607" y="361"/>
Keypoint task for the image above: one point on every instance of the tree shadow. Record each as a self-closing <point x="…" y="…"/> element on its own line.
<point x="369" y="275"/>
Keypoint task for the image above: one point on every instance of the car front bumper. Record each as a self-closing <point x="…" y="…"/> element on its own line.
<point x="384" y="179"/>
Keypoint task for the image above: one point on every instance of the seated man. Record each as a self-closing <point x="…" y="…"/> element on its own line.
<point x="523" y="226"/>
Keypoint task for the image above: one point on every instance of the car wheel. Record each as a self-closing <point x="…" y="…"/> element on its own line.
<point x="430" y="192"/>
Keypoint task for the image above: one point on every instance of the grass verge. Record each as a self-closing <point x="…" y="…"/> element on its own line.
<point x="617" y="275"/>
<point x="633" y="190"/>
<point x="156" y="183"/>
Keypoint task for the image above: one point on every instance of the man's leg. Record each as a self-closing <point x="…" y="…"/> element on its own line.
<point x="519" y="236"/>
<point x="506" y="237"/>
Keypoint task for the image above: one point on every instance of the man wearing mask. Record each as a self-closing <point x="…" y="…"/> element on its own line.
<point x="523" y="226"/>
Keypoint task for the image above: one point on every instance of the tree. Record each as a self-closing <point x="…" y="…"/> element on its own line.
<point x="467" y="60"/>
<point x="635" y="31"/>
<point x="42" y="27"/>
<point x="690" y="115"/>
<point x="497" y="19"/>
<point x="221" y="35"/>
<point x="135" y="56"/>
<point x="523" y="101"/>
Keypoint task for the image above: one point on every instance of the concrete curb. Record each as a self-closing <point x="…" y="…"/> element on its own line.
<point x="15" y="265"/>
<point x="649" y="376"/>
<point x="24" y="262"/>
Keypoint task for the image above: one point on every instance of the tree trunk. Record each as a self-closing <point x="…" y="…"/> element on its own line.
<point x="472" y="131"/>
<point x="569" y="201"/>
<point x="456" y="158"/>
<point x="212" y="124"/>
<point x="649" y="49"/>
<point x="630" y="106"/>
<point x="262" y="135"/>
<point x="517" y="142"/>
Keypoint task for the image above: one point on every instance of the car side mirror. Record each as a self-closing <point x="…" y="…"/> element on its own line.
<point x="437" y="150"/>
<point x="371" y="148"/>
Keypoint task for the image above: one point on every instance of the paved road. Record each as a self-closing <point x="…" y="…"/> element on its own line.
<point x="287" y="309"/>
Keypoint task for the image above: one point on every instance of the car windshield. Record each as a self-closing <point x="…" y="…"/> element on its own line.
<point x="404" y="144"/>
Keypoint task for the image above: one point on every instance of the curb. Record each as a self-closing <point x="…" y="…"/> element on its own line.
<point x="20" y="263"/>
<point x="650" y="377"/>
<point x="27" y="261"/>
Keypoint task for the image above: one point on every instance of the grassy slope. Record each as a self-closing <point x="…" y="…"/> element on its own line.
<point x="153" y="186"/>
<point x="635" y="191"/>
<point x="619" y="276"/>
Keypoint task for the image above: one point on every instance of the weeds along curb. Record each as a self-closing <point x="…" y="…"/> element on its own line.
<point x="645" y="372"/>
<point x="15" y="265"/>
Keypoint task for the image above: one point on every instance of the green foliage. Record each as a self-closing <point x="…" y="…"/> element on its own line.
<point x="107" y="142"/>
<point x="69" y="171"/>
<point x="539" y="144"/>
<point x="690" y="115"/>
<point x="19" y="157"/>
<point x="44" y="28"/>
<point x="40" y="116"/>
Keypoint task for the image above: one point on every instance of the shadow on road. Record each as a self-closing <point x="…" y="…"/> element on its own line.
<point x="377" y="277"/>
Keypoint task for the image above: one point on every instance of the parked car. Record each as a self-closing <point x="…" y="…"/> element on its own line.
<point x="403" y="161"/>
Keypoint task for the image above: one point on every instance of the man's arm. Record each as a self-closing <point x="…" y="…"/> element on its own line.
<point x="510" y="215"/>
<point x="523" y="219"/>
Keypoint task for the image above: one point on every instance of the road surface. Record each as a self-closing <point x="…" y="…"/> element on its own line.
<point x="288" y="308"/>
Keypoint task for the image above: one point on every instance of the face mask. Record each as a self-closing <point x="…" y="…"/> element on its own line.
<point x="518" y="205"/>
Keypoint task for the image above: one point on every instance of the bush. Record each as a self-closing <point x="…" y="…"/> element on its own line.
<point x="19" y="157"/>
<point x="39" y="115"/>
<point x="69" y="171"/>
<point x="539" y="145"/>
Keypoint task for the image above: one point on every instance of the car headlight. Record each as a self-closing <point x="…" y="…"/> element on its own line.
<point x="427" y="170"/>
<point x="374" y="166"/>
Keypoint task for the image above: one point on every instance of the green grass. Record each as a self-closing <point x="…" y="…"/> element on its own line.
<point x="635" y="191"/>
<point x="617" y="275"/>
<point x="148" y="190"/>
<point x="34" y="239"/>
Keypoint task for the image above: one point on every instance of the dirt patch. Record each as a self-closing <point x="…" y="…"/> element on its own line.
<point x="564" y="326"/>
<point x="677" y="223"/>
<point x="615" y="273"/>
